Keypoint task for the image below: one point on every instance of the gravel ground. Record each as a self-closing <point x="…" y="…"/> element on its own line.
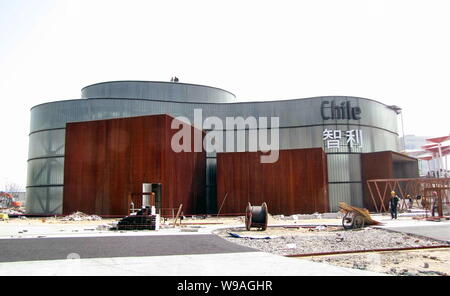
<point x="304" y="241"/>
<point x="404" y="263"/>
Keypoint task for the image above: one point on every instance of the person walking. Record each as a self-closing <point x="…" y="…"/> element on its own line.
<point x="393" y="203"/>
<point x="434" y="203"/>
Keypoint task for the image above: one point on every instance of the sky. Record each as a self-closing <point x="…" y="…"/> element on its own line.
<point x="396" y="52"/>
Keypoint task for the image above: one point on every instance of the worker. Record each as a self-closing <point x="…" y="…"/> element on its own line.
<point x="410" y="201"/>
<point x="393" y="203"/>
<point x="434" y="203"/>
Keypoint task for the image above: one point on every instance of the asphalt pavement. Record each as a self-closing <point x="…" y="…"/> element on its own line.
<point x="146" y="253"/>
<point x="15" y="250"/>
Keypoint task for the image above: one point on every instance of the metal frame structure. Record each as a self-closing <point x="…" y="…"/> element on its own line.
<point x="380" y="190"/>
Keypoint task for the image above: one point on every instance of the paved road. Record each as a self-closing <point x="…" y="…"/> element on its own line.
<point x="15" y="250"/>
<point x="439" y="232"/>
<point x="227" y="264"/>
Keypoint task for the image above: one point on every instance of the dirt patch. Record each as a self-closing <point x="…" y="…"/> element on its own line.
<point x="404" y="263"/>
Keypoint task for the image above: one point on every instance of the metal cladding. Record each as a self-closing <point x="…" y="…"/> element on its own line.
<point x="295" y="184"/>
<point x="107" y="161"/>
<point x="302" y="125"/>
<point x="153" y="90"/>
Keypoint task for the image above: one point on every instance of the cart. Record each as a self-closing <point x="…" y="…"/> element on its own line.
<point x="355" y="218"/>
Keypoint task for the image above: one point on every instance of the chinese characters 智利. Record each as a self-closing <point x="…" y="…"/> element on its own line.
<point x="352" y="137"/>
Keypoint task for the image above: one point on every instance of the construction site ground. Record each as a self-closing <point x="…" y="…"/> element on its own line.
<point x="405" y="232"/>
<point x="61" y="227"/>
<point x="303" y="241"/>
<point x="52" y="246"/>
<point x="325" y="240"/>
<point x="289" y="236"/>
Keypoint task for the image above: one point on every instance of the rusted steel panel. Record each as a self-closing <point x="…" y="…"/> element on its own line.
<point x="108" y="160"/>
<point x="296" y="183"/>
<point x="385" y="165"/>
<point x="376" y="165"/>
<point x="187" y="173"/>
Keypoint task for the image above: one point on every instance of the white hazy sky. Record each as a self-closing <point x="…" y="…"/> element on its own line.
<point x="397" y="52"/>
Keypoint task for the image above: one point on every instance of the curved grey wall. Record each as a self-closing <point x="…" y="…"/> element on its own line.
<point x="153" y="90"/>
<point x="301" y="126"/>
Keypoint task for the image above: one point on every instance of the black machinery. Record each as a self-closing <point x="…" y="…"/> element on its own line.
<point x="142" y="220"/>
<point x="146" y="218"/>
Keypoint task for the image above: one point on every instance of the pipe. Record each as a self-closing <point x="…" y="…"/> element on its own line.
<point x="300" y="226"/>
<point x="223" y="202"/>
<point x="441" y="164"/>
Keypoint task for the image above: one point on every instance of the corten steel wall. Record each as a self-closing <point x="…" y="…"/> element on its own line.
<point x="406" y="169"/>
<point x="385" y="165"/>
<point x="107" y="160"/>
<point x="377" y="165"/>
<point x="296" y="183"/>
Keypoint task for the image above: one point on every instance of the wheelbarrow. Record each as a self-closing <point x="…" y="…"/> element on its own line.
<point x="355" y="218"/>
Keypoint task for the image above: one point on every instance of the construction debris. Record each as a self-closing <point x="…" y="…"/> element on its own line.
<point x="13" y="211"/>
<point x="104" y="227"/>
<point x="252" y="236"/>
<point x="189" y="229"/>
<point x="79" y="216"/>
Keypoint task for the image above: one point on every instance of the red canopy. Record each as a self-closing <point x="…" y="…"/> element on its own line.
<point x="439" y="139"/>
<point x="446" y="151"/>
<point x="428" y="157"/>
<point x="436" y="149"/>
<point x="429" y="146"/>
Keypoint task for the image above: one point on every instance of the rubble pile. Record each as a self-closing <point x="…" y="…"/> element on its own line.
<point x="13" y="211"/>
<point x="79" y="216"/>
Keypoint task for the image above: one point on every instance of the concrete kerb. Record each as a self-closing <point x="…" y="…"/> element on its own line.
<point x="411" y="233"/>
